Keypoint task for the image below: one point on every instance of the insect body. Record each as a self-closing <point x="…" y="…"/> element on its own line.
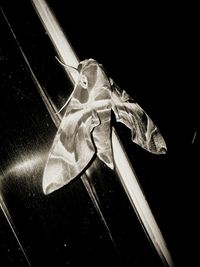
<point x="85" y="130"/>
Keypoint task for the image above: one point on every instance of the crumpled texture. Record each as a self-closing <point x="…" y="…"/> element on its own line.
<point x="85" y="130"/>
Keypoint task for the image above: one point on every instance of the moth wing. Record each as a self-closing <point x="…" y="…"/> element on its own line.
<point x="72" y="149"/>
<point x="144" y="132"/>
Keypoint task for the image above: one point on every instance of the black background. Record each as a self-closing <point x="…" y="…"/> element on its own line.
<point x="151" y="52"/>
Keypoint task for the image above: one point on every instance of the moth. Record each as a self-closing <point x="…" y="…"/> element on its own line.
<point x="85" y="130"/>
